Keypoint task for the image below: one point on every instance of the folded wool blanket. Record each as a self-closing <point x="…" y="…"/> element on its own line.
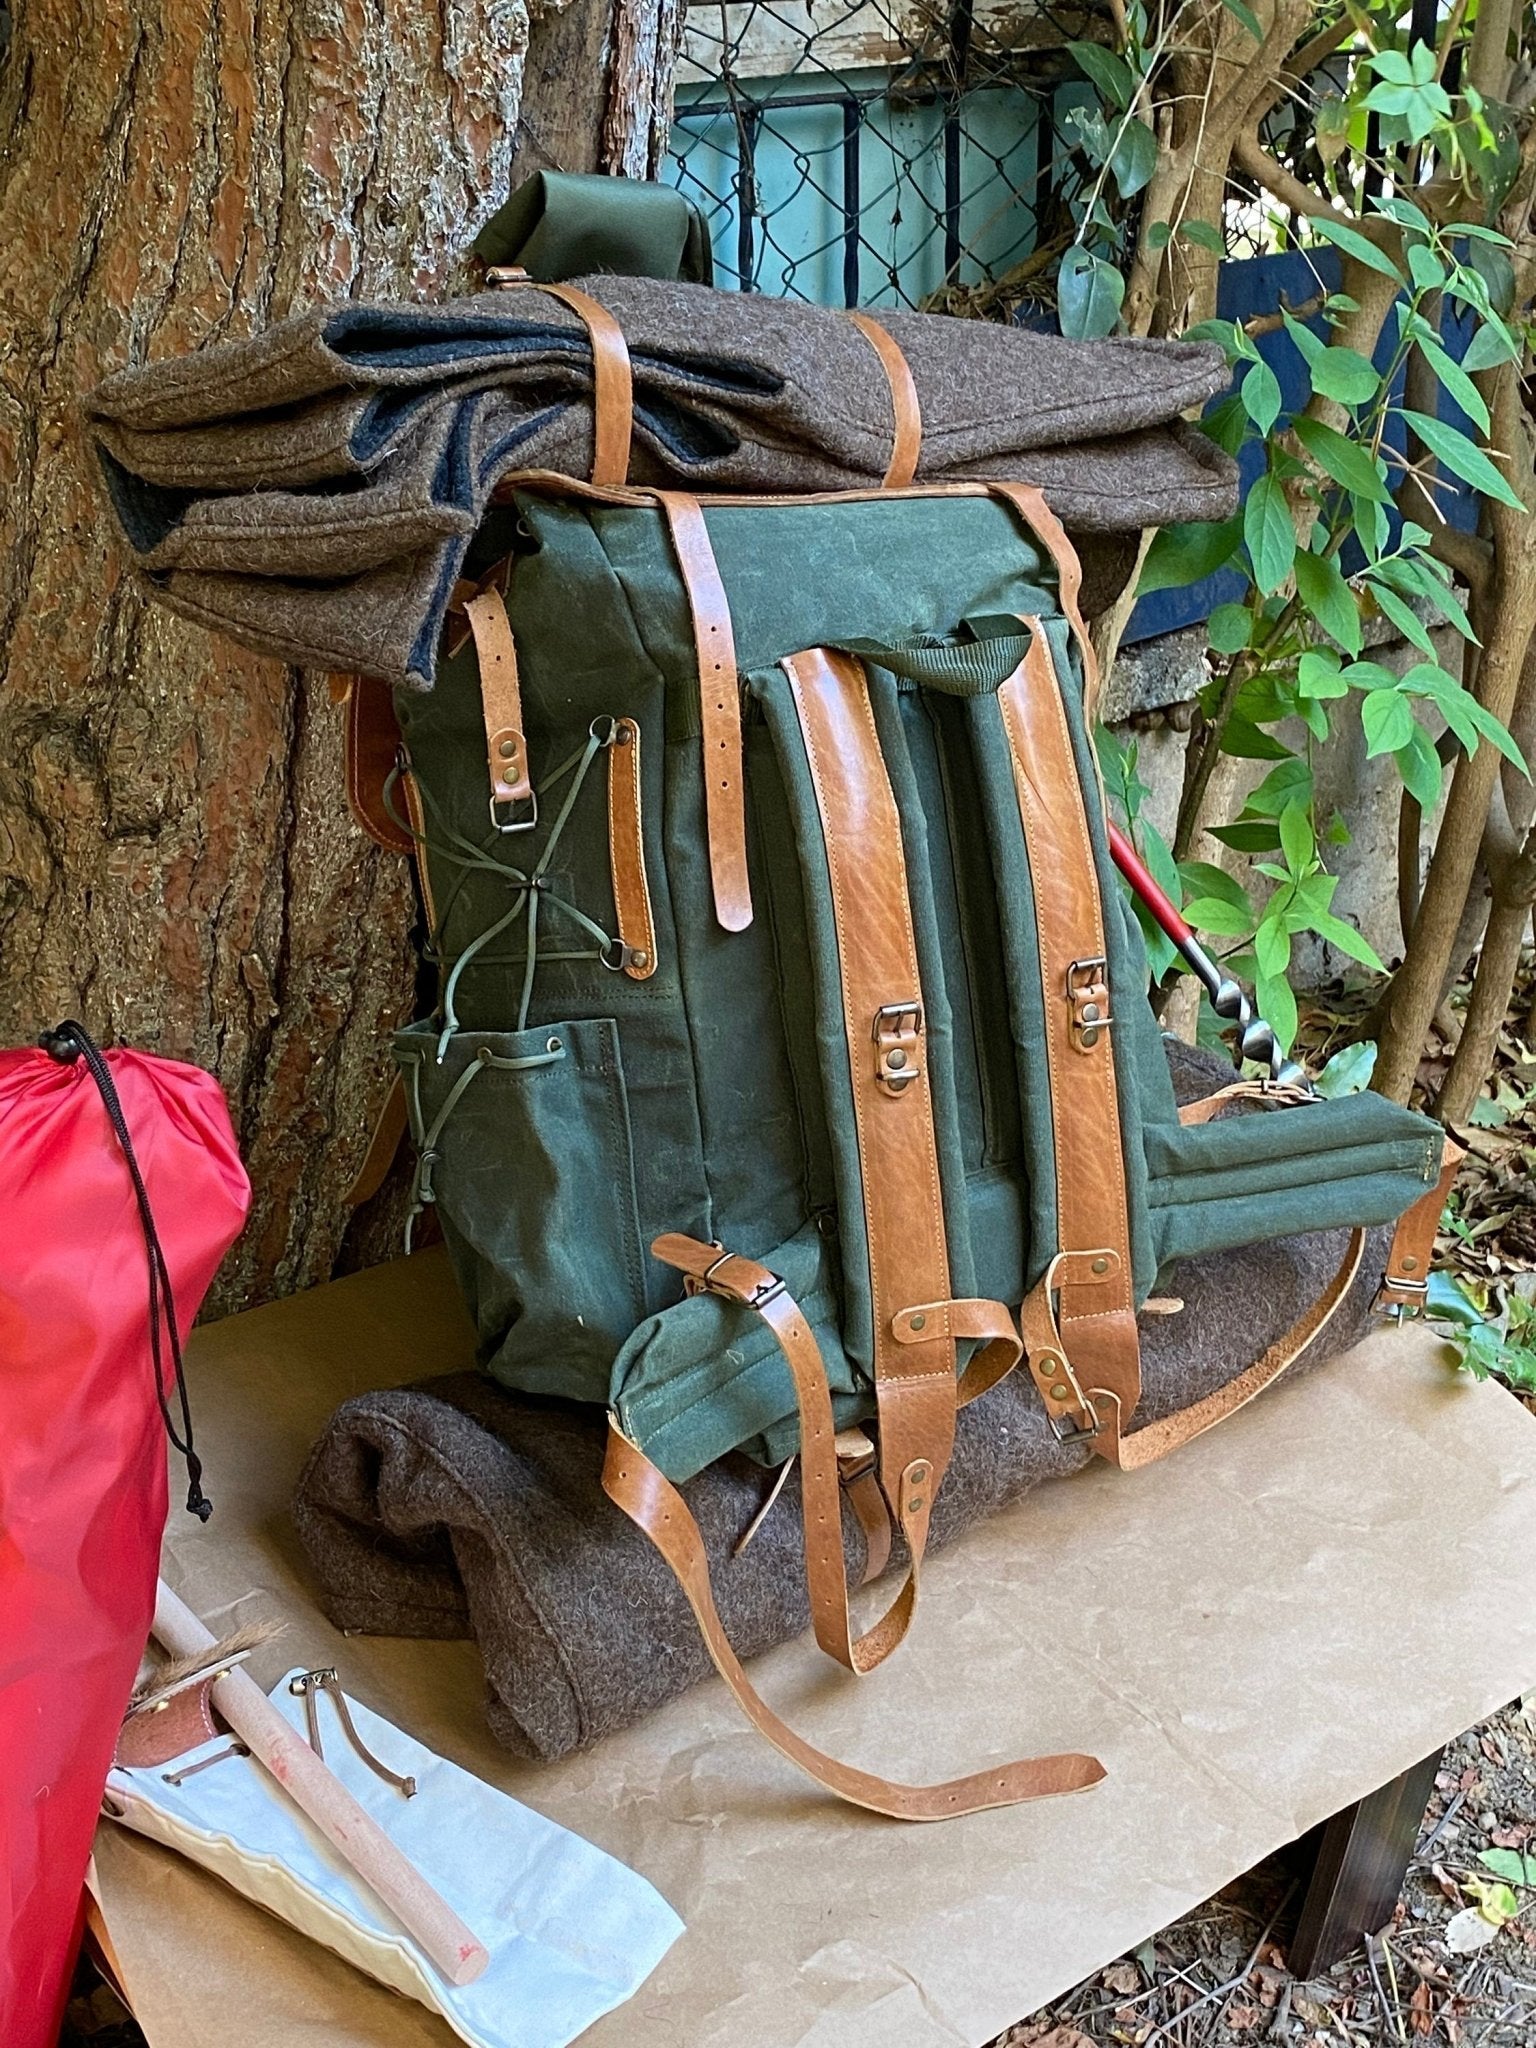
<point x="312" y="491"/>
<point x="456" y="1507"/>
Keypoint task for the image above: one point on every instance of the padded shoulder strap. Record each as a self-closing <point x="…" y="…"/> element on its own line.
<point x="1079" y="1321"/>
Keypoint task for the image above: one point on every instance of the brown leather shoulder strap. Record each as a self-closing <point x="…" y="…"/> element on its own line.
<point x="1157" y="1439"/>
<point x="882" y="1003"/>
<point x="725" y="797"/>
<point x="372" y="746"/>
<point x="1090" y="1343"/>
<point x="1028" y="500"/>
<point x="906" y="412"/>
<point x="650" y="1500"/>
<point x="613" y="389"/>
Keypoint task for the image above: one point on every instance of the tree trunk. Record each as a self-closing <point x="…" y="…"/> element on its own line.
<point x="177" y="866"/>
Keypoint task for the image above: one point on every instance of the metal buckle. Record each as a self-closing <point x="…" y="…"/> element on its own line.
<point x="1088" y="994"/>
<point x="705" y="1283"/>
<point x="516" y="824"/>
<point x="1419" y="1289"/>
<point x="1063" y="1432"/>
<point x="897" y="1032"/>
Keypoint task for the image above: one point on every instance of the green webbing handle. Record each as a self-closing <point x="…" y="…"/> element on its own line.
<point x="968" y="668"/>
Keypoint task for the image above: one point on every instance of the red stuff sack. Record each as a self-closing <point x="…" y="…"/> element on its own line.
<point x="121" y="1189"/>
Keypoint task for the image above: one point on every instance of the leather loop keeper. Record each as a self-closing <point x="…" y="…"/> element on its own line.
<point x="626" y="852"/>
<point x="634" y="1484"/>
<point x="725" y="797"/>
<point x="906" y="412"/>
<point x="613" y="388"/>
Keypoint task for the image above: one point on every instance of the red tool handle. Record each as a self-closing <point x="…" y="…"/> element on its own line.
<point x="1136" y="872"/>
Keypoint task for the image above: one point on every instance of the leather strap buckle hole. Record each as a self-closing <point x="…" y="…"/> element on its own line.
<point x="1088" y="994"/>
<point x="898" y="1038"/>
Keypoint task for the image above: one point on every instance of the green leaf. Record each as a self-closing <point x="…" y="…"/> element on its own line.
<point x="1461" y="456"/>
<point x="1221" y="920"/>
<point x="1492" y="343"/>
<point x="1245" y="14"/>
<point x="1228" y="627"/>
<point x="1268" y="531"/>
<point x="1455" y="380"/>
<point x="1296" y="840"/>
<point x="1133" y="158"/>
<point x="1244" y="739"/>
<point x="1203" y="235"/>
<point x="1317" y="673"/>
<point x="1187" y="552"/>
<point x="1247" y="835"/>
<point x="1344" y="460"/>
<point x="1510" y="1865"/>
<point x="1493" y="266"/>
<point x="1417" y="576"/>
<point x="1425" y="267"/>
<point x="1353" y="243"/>
<point x="1278" y="1007"/>
<point x="1261" y="396"/>
<point x="1291" y="782"/>
<point x="1419" y="766"/>
<point x="1204" y="878"/>
<point x="1089" y="294"/>
<point x="1158" y="234"/>
<point x="1329" y="599"/>
<point x="1387" y="718"/>
<point x="1348" y="1072"/>
<point x="1227" y="423"/>
<point x="1336" y="371"/>
<point x="1272" y="947"/>
<point x="1110" y="73"/>
<point x="1347" y="940"/>
<point x="1406" y="621"/>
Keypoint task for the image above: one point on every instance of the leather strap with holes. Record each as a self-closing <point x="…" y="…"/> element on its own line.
<point x="725" y="804"/>
<point x="501" y="697"/>
<point x="613" y="389"/>
<point x="1088" y="1343"/>
<point x="906" y="412"/>
<point x="626" y="852"/>
<point x="650" y="1500"/>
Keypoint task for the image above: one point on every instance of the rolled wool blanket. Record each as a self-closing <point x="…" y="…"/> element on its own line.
<point x="457" y="1508"/>
<point x="311" y="490"/>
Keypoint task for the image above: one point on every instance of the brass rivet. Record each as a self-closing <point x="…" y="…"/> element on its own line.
<point x="1410" y="1265"/>
<point x="919" y="1322"/>
<point x="508" y="750"/>
<point x="1090" y="1013"/>
<point x="1101" y="1265"/>
<point x="896" y="1058"/>
<point x="640" y="958"/>
<point x="1090" y="1037"/>
<point x="915" y="1503"/>
<point x="1058" y="1393"/>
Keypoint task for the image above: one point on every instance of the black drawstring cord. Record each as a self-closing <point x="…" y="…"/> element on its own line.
<point x="72" y="1041"/>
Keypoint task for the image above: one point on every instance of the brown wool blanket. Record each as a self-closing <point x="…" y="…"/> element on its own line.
<point x="456" y="1508"/>
<point x="311" y="491"/>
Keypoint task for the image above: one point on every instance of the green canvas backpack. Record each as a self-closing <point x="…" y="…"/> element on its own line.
<point x="791" y="1077"/>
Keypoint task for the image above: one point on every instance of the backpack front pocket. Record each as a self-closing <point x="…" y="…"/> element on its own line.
<point x="525" y="1151"/>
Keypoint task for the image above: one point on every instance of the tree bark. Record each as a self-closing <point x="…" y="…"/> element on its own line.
<point x="177" y="866"/>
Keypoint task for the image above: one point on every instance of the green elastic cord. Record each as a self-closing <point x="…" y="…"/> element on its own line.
<point x="422" y="1191"/>
<point x="451" y="847"/>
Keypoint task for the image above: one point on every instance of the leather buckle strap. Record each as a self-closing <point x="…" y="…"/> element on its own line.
<point x="372" y="746"/>
<point x="725" y="800"/>
<point x="1405" y="1284"/>
<point x="626" y="852"/>
<point x="655" y="1506"/>
<point x="906" y="412"/>
<point x="613" y="390"/>
<point x="1028" y="500"/>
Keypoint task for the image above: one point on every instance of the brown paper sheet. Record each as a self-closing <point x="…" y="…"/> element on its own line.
<point x="1278" y="1619"/>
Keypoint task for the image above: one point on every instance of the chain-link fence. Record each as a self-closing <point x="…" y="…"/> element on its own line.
<point x="880" y="152"/>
